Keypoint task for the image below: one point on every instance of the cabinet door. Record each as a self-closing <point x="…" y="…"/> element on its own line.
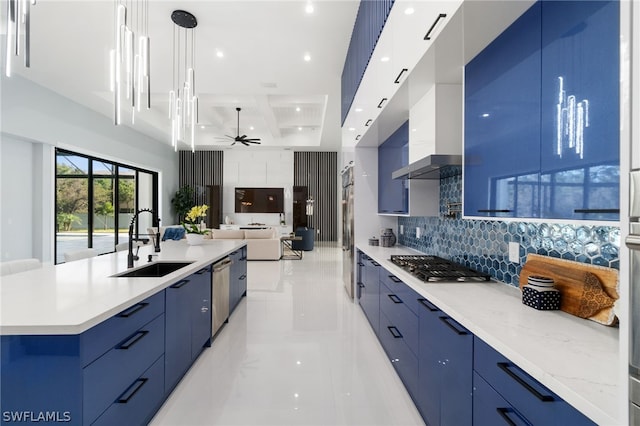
<point x="370" y="294"/>
<point x="502" y="123"/>
<point x="200" y="311"/>
<point x="429" y="367"/>
<point x="404" y="361"/>
<point x="393" y="154"/>
<point x="580" y="110"/>
<point x="178" y="332"/>
<point x="456" y="358"/>
<point x="490" y="409"/>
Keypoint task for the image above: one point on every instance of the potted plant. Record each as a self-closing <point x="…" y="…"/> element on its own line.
<point x="182" y="201"/>
<point x="193" y="224"/>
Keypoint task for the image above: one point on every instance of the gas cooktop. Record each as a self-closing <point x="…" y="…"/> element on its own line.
<point x="433" y="268"/>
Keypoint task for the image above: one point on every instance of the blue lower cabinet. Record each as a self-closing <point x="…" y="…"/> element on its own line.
<point x="369" y="292"/>
<point x="537" y="404"/>
<point x="177" y="333"/>
<point x="490" y="409"/>
<point x="139" y="401"/>
<point x="445" y="369"/>
<point x="404" y="361"/>
<point x="201" y="311"/>
<point x="108" y="376"/>
<point x="237" y="277"/>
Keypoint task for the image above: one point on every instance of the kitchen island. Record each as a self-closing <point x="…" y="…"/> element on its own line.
<point x="81" y="345"/>
<point x="576" y="359"/>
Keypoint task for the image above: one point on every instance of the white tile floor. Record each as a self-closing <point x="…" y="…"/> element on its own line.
<point x="296" y="351"/>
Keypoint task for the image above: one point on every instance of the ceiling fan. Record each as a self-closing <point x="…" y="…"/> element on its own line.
<point x="242" y="139"/>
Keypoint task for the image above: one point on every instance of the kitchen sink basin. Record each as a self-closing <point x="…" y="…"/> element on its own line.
<point x="154" y="270"/>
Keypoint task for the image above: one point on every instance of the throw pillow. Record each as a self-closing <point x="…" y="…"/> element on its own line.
<point x="173" y="234"/>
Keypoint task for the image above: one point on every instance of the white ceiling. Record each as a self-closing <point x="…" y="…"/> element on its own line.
<point x="262" y="71"/>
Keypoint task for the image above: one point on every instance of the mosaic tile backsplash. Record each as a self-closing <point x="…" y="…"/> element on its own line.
<point x="484" y="244"/>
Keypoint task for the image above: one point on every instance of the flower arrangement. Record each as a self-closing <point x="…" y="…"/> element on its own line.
<point x="194" y="218"/>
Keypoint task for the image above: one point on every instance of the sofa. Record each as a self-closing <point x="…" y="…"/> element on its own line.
<point x="262" y="244"/>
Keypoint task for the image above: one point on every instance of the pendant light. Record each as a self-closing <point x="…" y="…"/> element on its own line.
<point x="130" y="59"/>
<point x="183" y="102"/>
<point x="18" y="22"/>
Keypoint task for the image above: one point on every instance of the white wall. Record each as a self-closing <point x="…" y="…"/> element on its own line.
<point x="35" y="120"/>
<point x="257" y="168"/>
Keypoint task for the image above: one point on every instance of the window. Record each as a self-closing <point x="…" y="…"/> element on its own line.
<point x="95" y="201"/>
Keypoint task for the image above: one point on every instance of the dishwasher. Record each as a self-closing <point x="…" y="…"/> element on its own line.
<point x="220" y="294"/>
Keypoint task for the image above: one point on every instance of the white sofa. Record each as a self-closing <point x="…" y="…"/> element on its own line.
<point x="262" y="244"/>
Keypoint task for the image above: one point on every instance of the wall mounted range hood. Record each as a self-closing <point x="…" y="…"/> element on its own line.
<point x="429" y="167"/>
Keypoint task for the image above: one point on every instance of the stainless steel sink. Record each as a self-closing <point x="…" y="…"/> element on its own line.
<point x="154" y="270"/>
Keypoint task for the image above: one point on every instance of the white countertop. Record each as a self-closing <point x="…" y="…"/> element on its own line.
<point x="72" y="297"/>
<point x="576" y="358"/>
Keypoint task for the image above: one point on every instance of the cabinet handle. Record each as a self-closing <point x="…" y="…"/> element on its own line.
<point x="375" y="263"/>
<point x="504" y="413"/>
<point x="399" y="211"/>
<point x="203" y="271"/>
<point x="494" y="211"/>
<point x="360" y="285"/>
<point x="447" y="320"/>
<point x="132" y="310"/>
<point x="428" y="305"/>
<point x="395" y="299"/>
<point x="395" y="279"/>
<point x="504" y="366"/>
<point x="132" y="340"/>
<point x="368" y="122"/>
<point x="396" y="334"/>
<point x="242" y="277"/>
<point x="360" y="264"/>
<point x="381" y="102"/>
<point x="397" y="80"/>
<point x="428" y="34"/>
<point x="594" y="211"/>
<point x="180" y="284"/>
<point x="133" y="389"/>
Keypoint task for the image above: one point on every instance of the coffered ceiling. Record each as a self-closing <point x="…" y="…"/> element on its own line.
<point x="285" y="100"/>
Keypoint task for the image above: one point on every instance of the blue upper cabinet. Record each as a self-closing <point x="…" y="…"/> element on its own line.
<point x="502" y="123"/>
<point x="580" y="110"/>
<point x="393" y="154"/>
<point x="542" y="116"/>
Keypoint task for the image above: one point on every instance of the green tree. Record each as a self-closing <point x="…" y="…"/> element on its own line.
<point x="71" y="192"/>
<point x="105" y="209"/>
<point x="183" y="201"/>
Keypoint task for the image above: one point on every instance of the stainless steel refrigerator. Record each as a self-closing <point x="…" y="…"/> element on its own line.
<point x="633" y="242"/>
<point x="347" y="229"/>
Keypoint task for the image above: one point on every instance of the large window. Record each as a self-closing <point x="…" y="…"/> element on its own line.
<point x="95" y="201"/>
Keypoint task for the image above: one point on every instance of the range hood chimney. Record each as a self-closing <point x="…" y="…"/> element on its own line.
<point x="431" y="167"/>
<point x="435" y="139"/>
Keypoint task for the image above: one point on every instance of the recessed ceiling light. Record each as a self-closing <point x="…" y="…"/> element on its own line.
<point x="409" y="11"/>
<point x="309" y="8"/>
<point x="358" y="110"/>
<point x="307" y="57"/>
<point x="219" y="53"/>
<point x="299" y="129"/>
<point x="250" y="127"/>
<point x="202" y="127"/>
<point x="352" y="129"/>
<point x="384" y="59"/>
<point x="297" y="109"/>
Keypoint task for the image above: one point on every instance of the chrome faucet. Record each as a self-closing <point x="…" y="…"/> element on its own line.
<point x="131" y="257"/>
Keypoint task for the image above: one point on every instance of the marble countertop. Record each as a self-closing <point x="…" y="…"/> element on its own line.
<point x="72" y="297"/>
<point x="576" y="358"/>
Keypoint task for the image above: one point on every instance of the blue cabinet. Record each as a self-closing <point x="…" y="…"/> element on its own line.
<point x="445" y="368"/>
<point x="526" y="396"/>
<point x="77" y="379"/>
<point x="580" y="153"/>
<point x="399" y="332"/>
<point x="502" y="123"/>
<point x="237" y="277"/>
<point x="542" y="116"/>
<point x="368" y="292"/>
<point x="393" y="154"/>
<point x="188" y="323"/>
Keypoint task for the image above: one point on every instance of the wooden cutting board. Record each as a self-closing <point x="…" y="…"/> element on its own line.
<point x="569" y="277"/>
